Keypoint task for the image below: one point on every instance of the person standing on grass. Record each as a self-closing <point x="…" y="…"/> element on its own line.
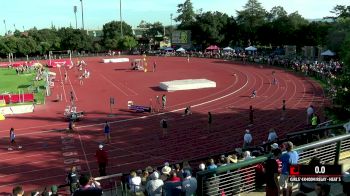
<point x="163" y="101"/>
<point x="102" y="160"/>
<point x="12" y="139"/>
<point x="283" y="110"/>
<point x="107" y="132"/>
<point x="251" y="115"/>
<point x="210" y="120"/>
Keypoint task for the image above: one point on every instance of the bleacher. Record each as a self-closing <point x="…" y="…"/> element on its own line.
<point x="241" y="178"/>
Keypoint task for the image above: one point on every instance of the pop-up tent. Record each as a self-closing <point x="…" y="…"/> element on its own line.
<point x="250" y="48"/>
<point x="168" y="49"/>
<point x="227" y="49"/>
<point x="327" y="53"/>
<point x="213" y="47"/>
<point x="181" y="50"/>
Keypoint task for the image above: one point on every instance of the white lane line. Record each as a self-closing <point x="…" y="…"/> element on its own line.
<point x="108" y="80"/>
<point x="70" y="83"/>
<point x="86" y="160"/>
<point x="64" y="91"/>
<point x="144" y="117"/>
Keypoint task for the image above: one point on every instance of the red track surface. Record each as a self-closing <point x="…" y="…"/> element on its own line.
<point x="136" y="138"/>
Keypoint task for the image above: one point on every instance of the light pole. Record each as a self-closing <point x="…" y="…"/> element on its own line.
<point x="5" y="27"/>
<point x="75" y="9"/>
<point x="120" y="16"/>
<point x="82" y="14"/>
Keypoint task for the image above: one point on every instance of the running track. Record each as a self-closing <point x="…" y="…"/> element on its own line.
<point x="136" y="138"/>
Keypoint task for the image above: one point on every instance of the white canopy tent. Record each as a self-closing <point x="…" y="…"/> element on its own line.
<point x="250" y="48"/>
<point x="327" y="53"/>
<point x="181" y="50"/>
<point x="228" y="49"/>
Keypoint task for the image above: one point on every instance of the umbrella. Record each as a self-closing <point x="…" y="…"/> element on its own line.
<point x="227" y="48"/>
<point x="180" y="50"/>
<point x="213" y="47"/>
<point x="250" y="48"/>
<point x="327" y="53"/>
<point x="169" y="49"/>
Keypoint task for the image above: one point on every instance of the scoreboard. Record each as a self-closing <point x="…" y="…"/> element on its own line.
<point x="181" y="37"/>
<point x="316" y="173"/>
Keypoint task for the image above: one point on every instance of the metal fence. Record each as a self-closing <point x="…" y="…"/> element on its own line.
<point x="242" y="177"/>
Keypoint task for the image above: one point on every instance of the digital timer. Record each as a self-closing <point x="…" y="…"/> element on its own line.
<point x="315" y="173"/>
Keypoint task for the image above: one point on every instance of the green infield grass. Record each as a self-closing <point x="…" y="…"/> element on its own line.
<point x="12" y="83"/>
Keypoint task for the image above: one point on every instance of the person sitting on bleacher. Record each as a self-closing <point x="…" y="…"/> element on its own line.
<point x="88" y="186"/>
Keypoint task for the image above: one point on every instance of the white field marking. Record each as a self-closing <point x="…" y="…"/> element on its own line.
<point x="32" y="180"/>
<point x="108" y="80"/>
<point x="70" y="83"/>
<point x="64" y="91"/>
<point x="83" y="149"/>
<point x="144" y="117"/>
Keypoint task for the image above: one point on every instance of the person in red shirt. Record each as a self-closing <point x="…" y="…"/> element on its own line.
<point x="102" y="160"/>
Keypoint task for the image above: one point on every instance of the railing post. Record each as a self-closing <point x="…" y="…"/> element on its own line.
<point x="200" y="184"/>
<point x="337" y="153"/>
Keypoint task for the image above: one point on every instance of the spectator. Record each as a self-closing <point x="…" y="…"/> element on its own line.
<point x="189" y="184"/>
<point x="314" y="120"/>
<point x="186" y="166"/>
<point x="293" y="155"/>
<point x="88" y="186"/>
<point x="309" y="113"/>
<point x="144" y="178"/>
<point x="165" y="173"/>
<point x="178" y="171"/>
<point x="188" y="111"/>
<point x="212" y="164"/>
<point x="54" y="190"/>
<point x="172" y="187"/>
<point x="247" y="156"/>
<point x="247" y="139"/>
<point x="107" y="132"/>
<point x="271" y="172"/>
<point x="135" y="184"/>
<point x="72" y="180"/>
<point x="155" y="185"/>
<point x="17" y="191"/>
<point x="102" y="160"/>
<point x="283" y="181"/>
<point x="272" y="137"/>
<point x="164" y="125"/>
<point x="210" y="120"/>
<point x="201" y="167"/>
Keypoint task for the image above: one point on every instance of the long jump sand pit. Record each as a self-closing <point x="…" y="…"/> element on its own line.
<point x="189" y="84"/>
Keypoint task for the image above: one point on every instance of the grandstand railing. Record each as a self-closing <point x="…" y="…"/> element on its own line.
<point x="241" y="177"/>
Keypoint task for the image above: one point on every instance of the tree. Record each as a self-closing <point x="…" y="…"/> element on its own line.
<point x="127" y="43"/>
<point x="212" y="28"/>
<point x="276" y="13"/>
<point x="186" y="14"/>
<point x="341" y="11"/>
<point x="112" y="35"/>
<point x="250" y="18"/>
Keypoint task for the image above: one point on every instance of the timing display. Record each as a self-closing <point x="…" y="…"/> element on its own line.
<point x="318" y="173"/>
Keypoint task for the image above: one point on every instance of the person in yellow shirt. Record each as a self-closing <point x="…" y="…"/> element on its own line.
<point x="314" y="121"/>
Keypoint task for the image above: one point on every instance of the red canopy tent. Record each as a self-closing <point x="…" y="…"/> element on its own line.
<point x="213" y="47"/>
